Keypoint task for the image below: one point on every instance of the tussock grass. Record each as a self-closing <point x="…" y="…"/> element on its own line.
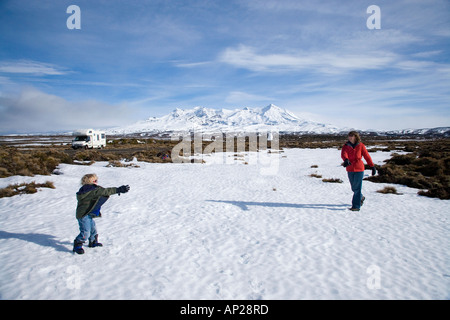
<point x="332" y="180"/>
<point x="389" y="190"/>
<point x="24" y="188"/>
<point x="14" y="162"/>
<point x="118" y="164"/>
<point x="426" y="168"/>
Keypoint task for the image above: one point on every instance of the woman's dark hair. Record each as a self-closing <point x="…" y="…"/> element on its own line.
<point x="356" y="135"/>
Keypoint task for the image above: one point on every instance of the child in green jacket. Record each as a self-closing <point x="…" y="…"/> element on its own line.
<point x="90" y="199"/>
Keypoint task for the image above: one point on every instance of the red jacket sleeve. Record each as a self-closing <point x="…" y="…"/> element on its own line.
<point x="366" y="156"/>
<point x="344" y="154"/>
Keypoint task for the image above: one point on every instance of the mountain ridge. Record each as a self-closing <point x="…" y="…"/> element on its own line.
<point x="269" y="118"/>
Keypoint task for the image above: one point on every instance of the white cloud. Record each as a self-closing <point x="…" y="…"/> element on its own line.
<point x="192" y="64"/>
<point x="159" y="55"/>
<point x="247" y="58"/>
<point x="31" y="67"/>
<point x="32" y="110"/>
<point x="242" y="98"/>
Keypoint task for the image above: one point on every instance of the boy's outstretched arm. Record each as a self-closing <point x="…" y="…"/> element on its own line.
<point x="123" y="189"/>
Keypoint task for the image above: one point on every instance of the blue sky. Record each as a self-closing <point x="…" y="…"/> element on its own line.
<point x="135" y="59"/>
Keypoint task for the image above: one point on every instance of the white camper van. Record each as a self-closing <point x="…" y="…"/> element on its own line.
<point x="88" y="138"/>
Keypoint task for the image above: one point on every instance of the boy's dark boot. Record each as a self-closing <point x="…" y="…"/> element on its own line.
<point x="78" y="247"/>
<point x="95" y="242"/>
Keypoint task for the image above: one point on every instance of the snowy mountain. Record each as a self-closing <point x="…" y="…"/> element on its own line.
<point x="439" y="131"/>
<point x="270" y="118"/>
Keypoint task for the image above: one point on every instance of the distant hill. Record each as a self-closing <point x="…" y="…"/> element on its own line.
<point x="270" y="118"/>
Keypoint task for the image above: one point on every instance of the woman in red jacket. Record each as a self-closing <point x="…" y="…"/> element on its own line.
<point x="352" y="153"/>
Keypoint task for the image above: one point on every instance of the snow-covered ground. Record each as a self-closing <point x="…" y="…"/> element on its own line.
<point x="226" y="231"/>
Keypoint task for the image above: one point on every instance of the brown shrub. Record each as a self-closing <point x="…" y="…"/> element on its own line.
<point x="428" y="167"/>
<point x="118" y="164"/>
<point x="440" y="192"/>
<point x="388" y="190"/>
<point x="4" y="173"/>
<point x="14" y="162"/>
<point x="401" y="159"/>
<point x="24" y="188"/>
<point x="332" y="180"/>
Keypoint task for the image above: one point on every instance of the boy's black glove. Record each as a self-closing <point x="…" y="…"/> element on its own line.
<point x="346" y="163"/>
<point x="123" y="189"/>
<point x="374" y="171"/>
